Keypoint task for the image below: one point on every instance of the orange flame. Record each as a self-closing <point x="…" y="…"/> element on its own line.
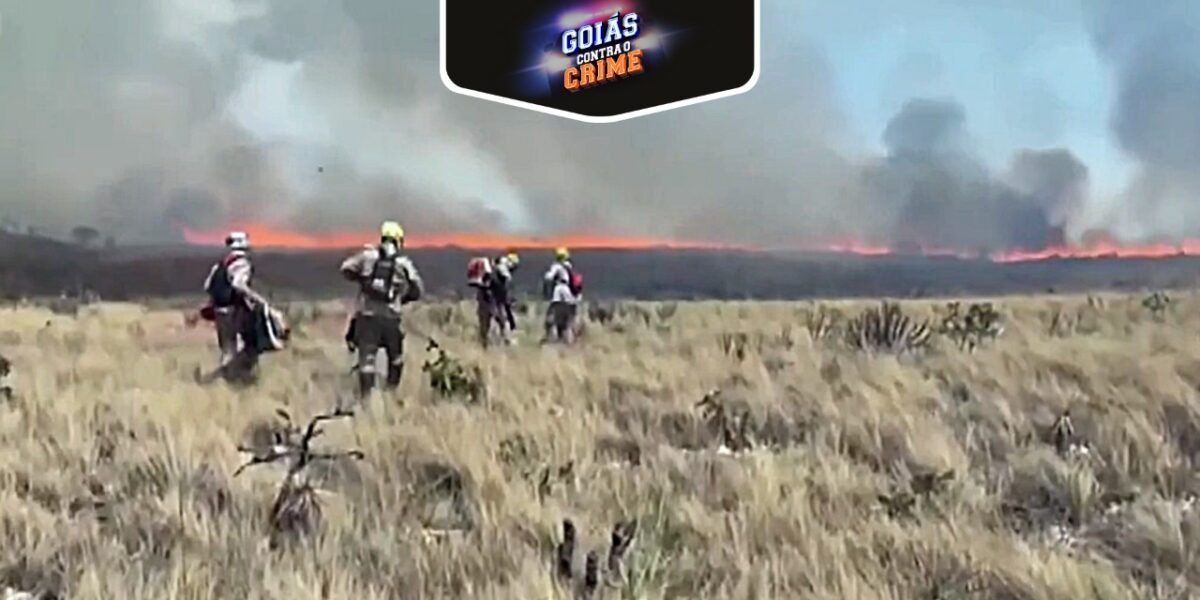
<point x="866" y="249"/>
<point x="856" y="248"/>
<point x="1107" y="250"/>
<point x="1095" y="245"/>
<point x="265" y="236"/>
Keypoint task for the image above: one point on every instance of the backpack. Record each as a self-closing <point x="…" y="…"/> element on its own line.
<point x="220" y="288"/>
<point x="478" y="270"/>
<point x="380" y="285"/>
<point x="576" y="282"/>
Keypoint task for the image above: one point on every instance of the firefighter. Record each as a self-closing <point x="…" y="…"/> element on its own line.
<point x="387" y="280"/>
<point x="561" y="290"/>
<point x="494" y="298"/>
<point x="506" y="268"/>
<point x="232" y="301"/>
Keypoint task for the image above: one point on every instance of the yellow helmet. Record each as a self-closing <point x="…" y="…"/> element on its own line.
<point x="513" y="258"/>
<point x="391" y="230"/>
<point x="562" y="253"/>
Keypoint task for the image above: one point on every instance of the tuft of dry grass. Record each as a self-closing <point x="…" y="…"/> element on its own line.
<point x="697" y="450"/>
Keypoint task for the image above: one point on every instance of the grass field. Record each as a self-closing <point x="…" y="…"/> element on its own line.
<point x="835" y="472"/>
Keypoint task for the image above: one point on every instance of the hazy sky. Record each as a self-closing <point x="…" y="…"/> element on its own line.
<point x="937" y="122"/>
<point x="1027" y="72"/>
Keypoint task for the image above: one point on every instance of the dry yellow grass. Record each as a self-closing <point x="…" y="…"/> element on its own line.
<point x="115" y="468"/>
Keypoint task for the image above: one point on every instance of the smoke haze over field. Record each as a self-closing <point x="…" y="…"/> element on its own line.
<point x="144" y="116"/>
<point x="1154" y="50"/>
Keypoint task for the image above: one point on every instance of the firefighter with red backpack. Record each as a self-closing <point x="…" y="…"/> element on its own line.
<point x="492" y="280"/>
<point x="563" y="288"/>
<point x="387" y="281"/>
<point x="231" y="307"/>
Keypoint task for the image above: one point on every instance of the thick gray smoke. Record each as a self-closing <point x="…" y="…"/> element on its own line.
<point x="1154" y="50"/>
<point x="944" y="197"/>
<point x="144" y="116"/>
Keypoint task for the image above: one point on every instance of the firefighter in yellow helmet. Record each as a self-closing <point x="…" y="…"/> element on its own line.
<point x="559" y="286"/>
<point x="387" y="280"/>
<point x="492" y="279"/>
<point x="500" y="291"/>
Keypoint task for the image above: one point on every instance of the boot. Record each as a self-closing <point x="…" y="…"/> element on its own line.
<point x="366" y="382"/>
<point x="395" y="373"/>
<point x="203" y="378"/>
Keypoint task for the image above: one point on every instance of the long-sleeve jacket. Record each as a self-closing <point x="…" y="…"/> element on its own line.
<point x="502" y="268"/>
<point x="239" y="271"/>
<point x="558" y="282"/>
<point x="406" y="285"/>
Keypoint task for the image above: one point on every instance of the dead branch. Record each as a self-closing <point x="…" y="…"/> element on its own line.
<point x="292" y="445"/>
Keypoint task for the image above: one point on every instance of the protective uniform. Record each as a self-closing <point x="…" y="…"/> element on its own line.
<point x="233" y="300"/>
<point x="556" y="284"/>
<point x="387" y="281"/>
<point x="494" y="299"/>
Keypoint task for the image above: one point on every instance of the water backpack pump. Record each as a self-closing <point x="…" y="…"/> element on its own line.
<point x="576" y="282"/>
<point x="379" y="285"/>
<point x="478" y="271"/>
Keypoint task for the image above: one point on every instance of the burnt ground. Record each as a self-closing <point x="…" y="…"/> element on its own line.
<point x="37" y="267"/>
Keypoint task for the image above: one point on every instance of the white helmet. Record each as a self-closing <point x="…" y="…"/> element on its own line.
<point x="237" y="240"/>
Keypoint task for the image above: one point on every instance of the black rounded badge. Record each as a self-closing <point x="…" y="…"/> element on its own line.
<point x="600" y="61"/>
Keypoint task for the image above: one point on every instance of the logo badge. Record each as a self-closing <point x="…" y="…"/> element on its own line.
<point x="600" y="61"/>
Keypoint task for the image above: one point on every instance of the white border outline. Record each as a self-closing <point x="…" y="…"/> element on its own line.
<point x="749" y="85"/>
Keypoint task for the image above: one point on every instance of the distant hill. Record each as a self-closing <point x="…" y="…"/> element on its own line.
<point x="31" y="266"/>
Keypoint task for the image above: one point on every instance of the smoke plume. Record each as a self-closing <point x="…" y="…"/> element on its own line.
<point x="144" y="116"/>
<point x="941" y="195"/>
<point x="1154" y="51"/>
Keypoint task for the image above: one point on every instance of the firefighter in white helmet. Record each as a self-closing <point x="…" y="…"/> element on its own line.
<point x="232" y="301"/>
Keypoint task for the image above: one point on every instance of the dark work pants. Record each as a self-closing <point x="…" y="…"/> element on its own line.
<point x="373" y="333"/>
<point x="233" y="326"/>
<point x="560" y="322"/>
<point x="492" y="308"/>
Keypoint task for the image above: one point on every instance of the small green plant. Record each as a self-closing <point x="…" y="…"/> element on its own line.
<point x="980" y="322"/>
<point x="1157" y="303"/>
<point x="450" y="379"/>
<point x="886" y="328"/>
